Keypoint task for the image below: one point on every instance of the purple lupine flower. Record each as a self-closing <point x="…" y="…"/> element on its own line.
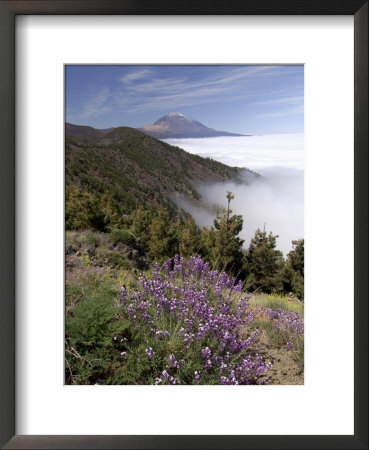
<point x="290" y="345"/>
<point x="173" y="361"/>
<point x="172" y="380"/>
<point x="150" y="352"/>
<point x="123" y="295"/>
<point x="223" y="380"/>
<point x="206" y="353"/>
<point x="208" y="364"/>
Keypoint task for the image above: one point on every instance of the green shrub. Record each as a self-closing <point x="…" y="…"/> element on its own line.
<point x="92" y="239"/>
<point x="123" y="236"/>
<point x="111" y="258"/>
<point x="91" y="351"/>
<point x="83" y="210"/>
<point x="118" y="260"/>
<point x="298" y="285"/>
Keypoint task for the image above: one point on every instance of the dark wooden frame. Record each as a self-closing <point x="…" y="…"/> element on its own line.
<point x="8" y="11"/>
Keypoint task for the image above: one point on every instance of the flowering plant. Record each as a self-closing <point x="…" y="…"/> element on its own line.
<point x="189" y="325"/>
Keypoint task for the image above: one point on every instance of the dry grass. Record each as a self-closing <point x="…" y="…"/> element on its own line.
<point x="274" y="301"/>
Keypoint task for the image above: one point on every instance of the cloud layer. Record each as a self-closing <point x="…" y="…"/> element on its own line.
<point x="275" y="200"/>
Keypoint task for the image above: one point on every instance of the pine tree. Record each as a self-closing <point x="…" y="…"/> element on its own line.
<point x="295" y="260"/>
<point x="189" y="238"/>
<point x="296" y="256"/>
<point x="83" y="210"/>
<point x="222" y="245"/>
<point x="111" y="210"/>
<point x="139" y="223"/>
<point x="263" y="263"/>
<point x="163" y="241"/>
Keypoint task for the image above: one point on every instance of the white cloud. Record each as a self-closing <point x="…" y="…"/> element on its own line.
<point x="97" y="105"/>
<point x="136" y="75"/>
<point x="253" y="152"/>
<point x="145" y="89"/>
<point x="290" y="111"/>
<point x="276" y="199"/>
<point x="162" y="93"/>
<point x="281" y="100"/>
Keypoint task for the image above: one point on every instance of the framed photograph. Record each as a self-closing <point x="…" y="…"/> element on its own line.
<point x="184" y="202"/>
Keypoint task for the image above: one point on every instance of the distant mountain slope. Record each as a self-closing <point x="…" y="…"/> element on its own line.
<point x="84" y="133"/>
<point x="176" y="125"/>
<point x="134" y="168"/>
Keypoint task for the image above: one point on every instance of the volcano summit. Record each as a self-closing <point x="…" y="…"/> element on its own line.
<point x="177" y="125"/>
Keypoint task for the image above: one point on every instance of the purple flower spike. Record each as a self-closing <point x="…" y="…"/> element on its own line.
<point x="206" y="353"/>
<point x="149" y="352"/>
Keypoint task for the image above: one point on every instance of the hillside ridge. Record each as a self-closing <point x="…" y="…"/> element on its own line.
<point x="136" y="169"/>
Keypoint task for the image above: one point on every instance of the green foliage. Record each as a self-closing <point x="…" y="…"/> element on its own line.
<point x="189" y="237"/>
<point x="92" y="239"/>
<point x="123" y="236"/>
<point x="140" y="220"/>
<point x="221" y="244"/>
<point x="295" y="259"/>
<point x="296" y="256"/>
<point x="163" y="241"/>
<point x="163" y="233"/>
<point x="285" y="277"/>
<point x="298" y="285"/>
<point x="91" y="352"/>
<point x="83" y="210"/>
<point x="292" y="274"/>
<point x="263" y="263"/>
<point x="111" y="258"/>
<point x="88" y="210"/>
<point x="112" y="211"/>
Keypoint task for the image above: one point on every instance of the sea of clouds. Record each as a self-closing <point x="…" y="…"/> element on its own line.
<point x="274" y="201"/>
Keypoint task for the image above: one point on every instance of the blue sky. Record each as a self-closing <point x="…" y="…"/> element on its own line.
<point x="242" y="99"/>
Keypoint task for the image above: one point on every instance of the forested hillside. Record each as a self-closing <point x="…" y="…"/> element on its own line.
<point x="122" y="168"/>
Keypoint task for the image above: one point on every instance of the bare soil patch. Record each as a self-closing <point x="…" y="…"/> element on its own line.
<point x="285" y="370"/>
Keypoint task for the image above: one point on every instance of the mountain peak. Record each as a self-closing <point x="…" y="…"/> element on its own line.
<point x="177" y="125"/>
<point x="175" y="114"/>
<point x="178" y="115"/>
